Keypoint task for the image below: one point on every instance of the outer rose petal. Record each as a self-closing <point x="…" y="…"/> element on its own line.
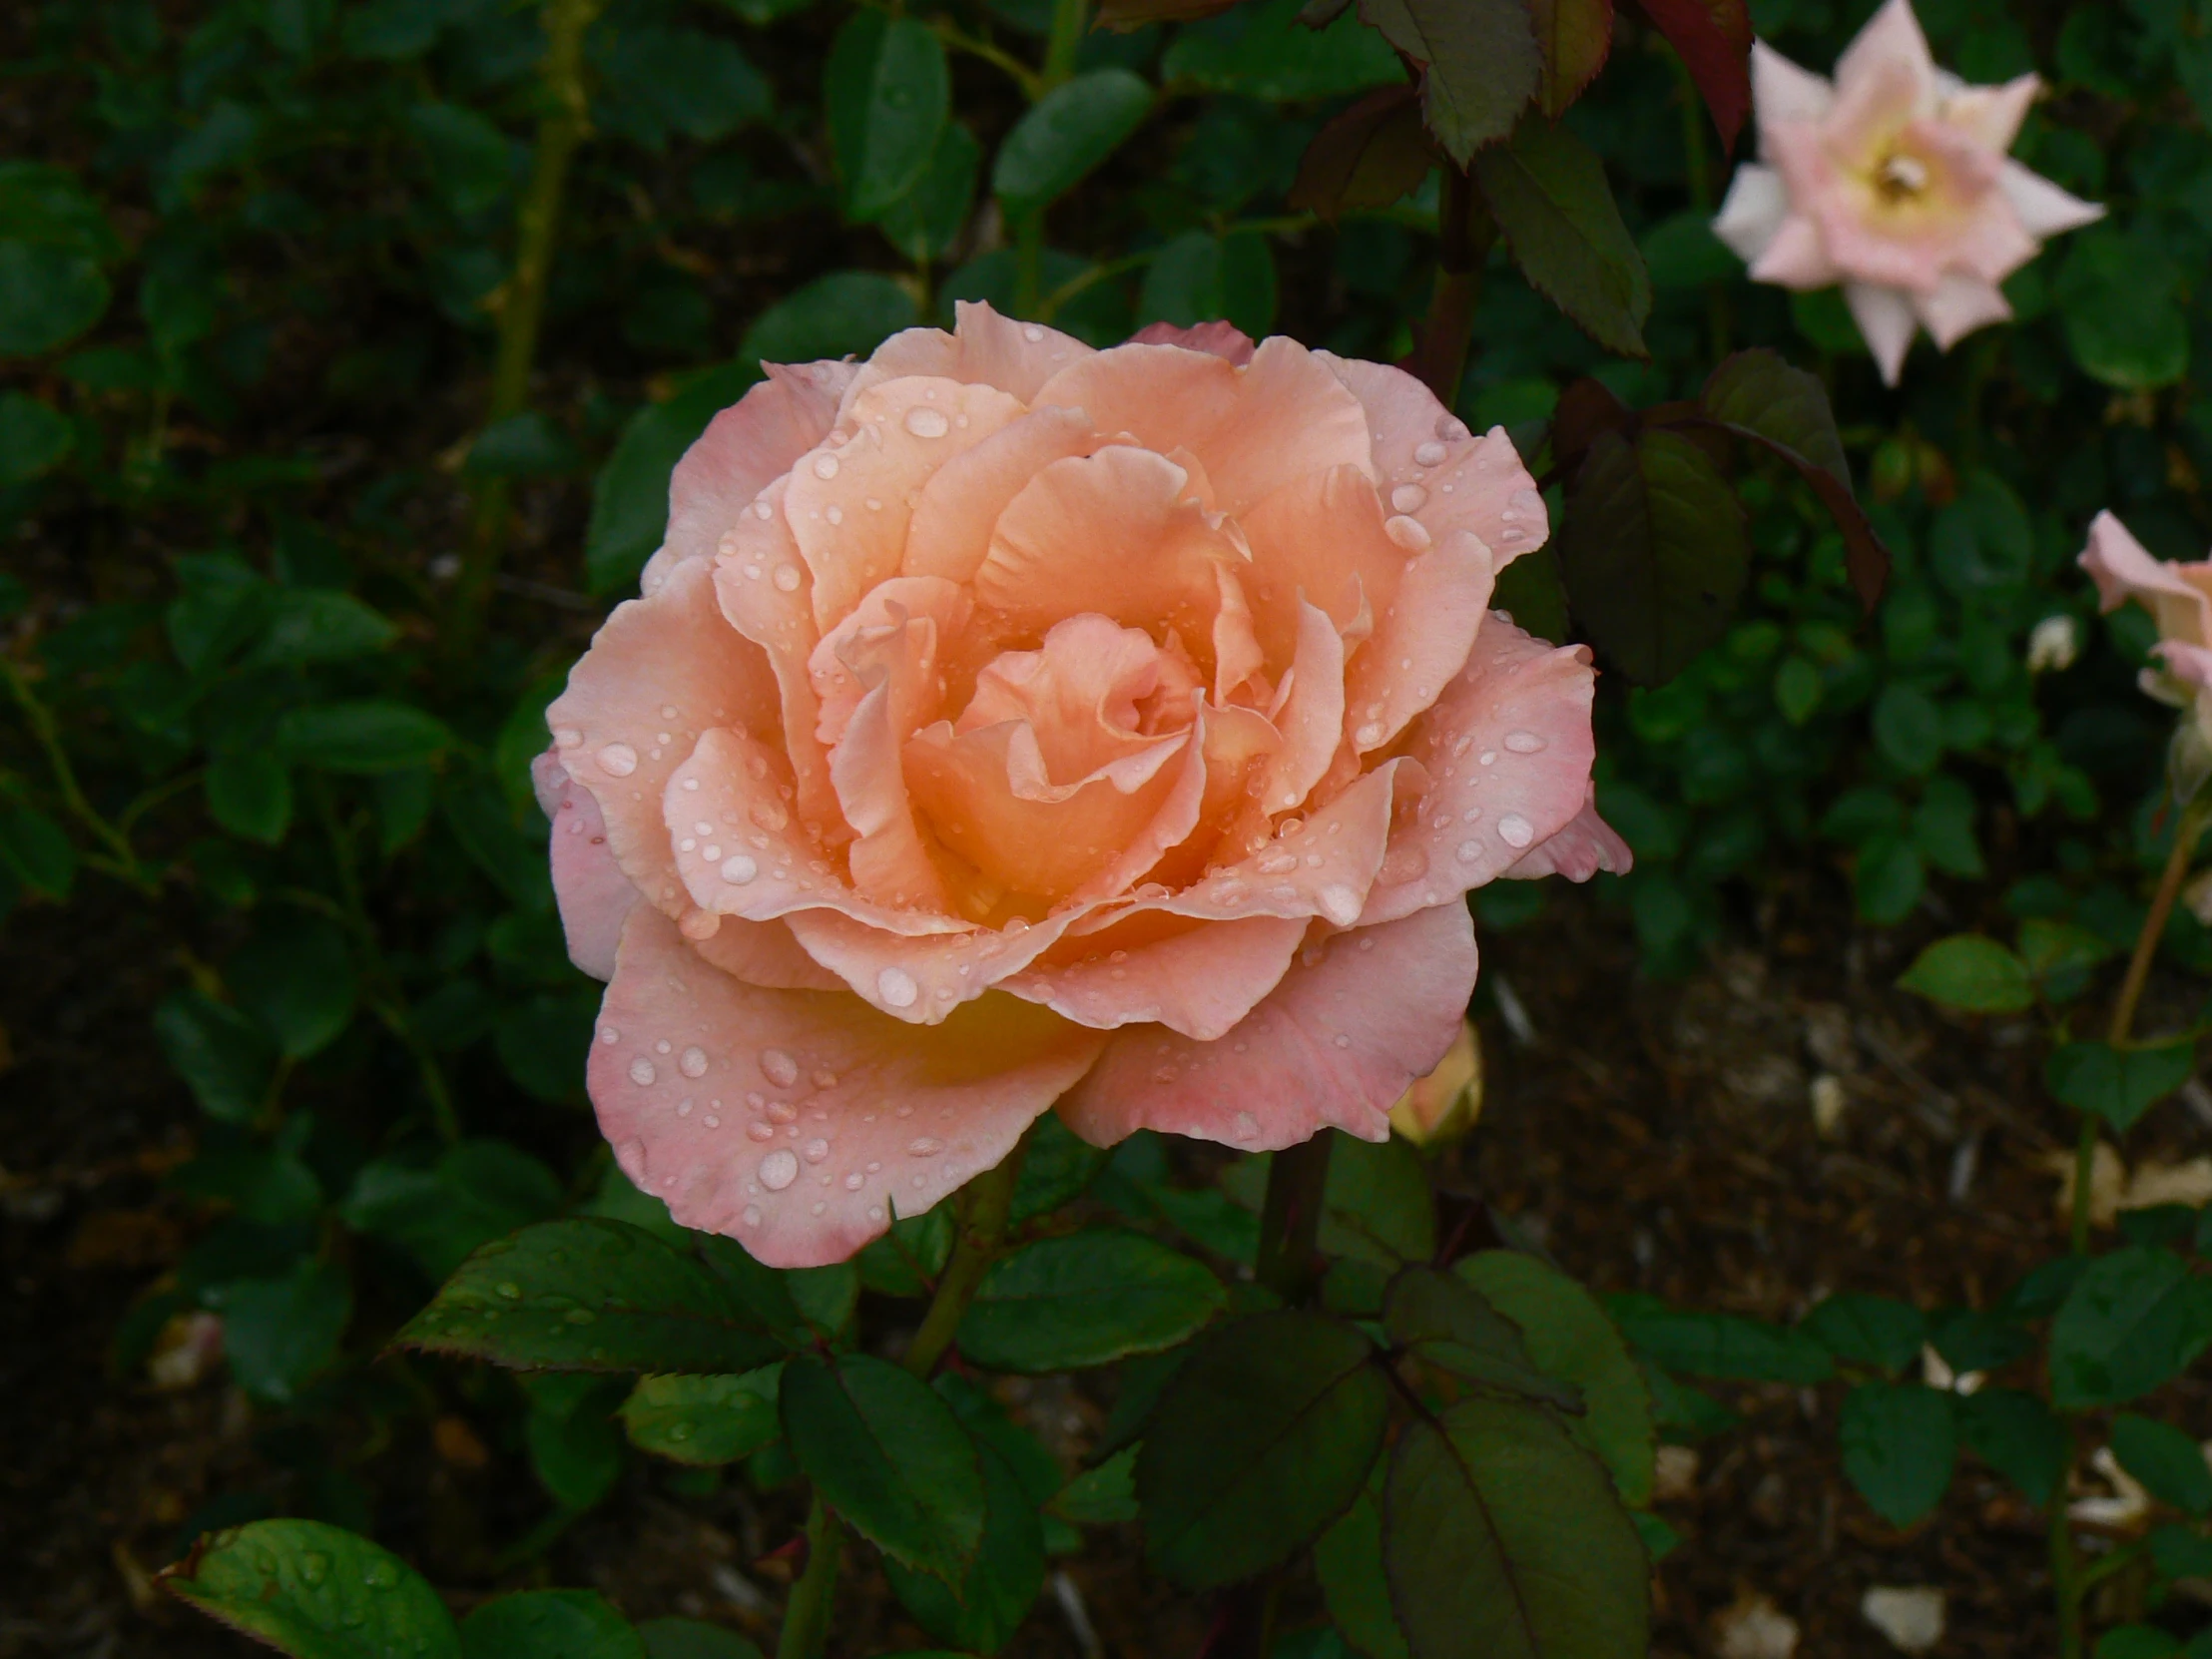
<point x="794" y="1121"/>
<point x="594" y="896"/>
<point x="1483" y="489"/>
<point x="660" y="670"/>
<point x="1753" y="211"/>
<point x="764" y="953"/>
<point x="1199" y="979"/>
<point x="1958" y="306"/>
<point x="1781" y="91"/>
<point x="744" y="449"/>
<point x="1891" y="43"/>
<point x="1886" y="317"/>
<point x="1993" y="115"/>
<point x="1507" y="751"/>
<point x="2178" y="595"/>
<point x="920" y="979"/>
<point x="2044" y="209"/>
<point x="1796" y="258"/>
<point x="1355" y="1020"/>
<point x="1222" y="340"/>
<point x="1421" y="643"/>
<point x="984" y="348"/>
<point x="1586" y="845"/>
<point x="2190" y="664"/>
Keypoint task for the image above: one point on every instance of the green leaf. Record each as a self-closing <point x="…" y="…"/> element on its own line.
<point x="2117" y="1084"/>
<point x="2019" y="1436"/>
<point x="907" y="1260"/>
<point x="295" y="978"/>
<point x="980" y="1612"/>
<point x="1065" y="135"/>
<point x="250" y="793"/>
<point x="1445" y="1323"/>
<point x="1263" y="1438"/>
<point x="1348" y="1559"/>
<point x="1085" y="1299"/>
<point x="925" y="223"/>
<point x="1057" y="1168"/>
<point x="278" y="1332"/>
<point x="315" y="1592"/>
<point x="629" y="502"/>
<point x="476" y="1191"/>
<point x="1102" y="1496"/>
<point x="1898" y="1442"/>
<point x="44" y="205"/>
<point x="471" y="163"/>
<point x="48" y="297"/>
<point x="2169" y="1463"/>
<point x="1758" y="396"/>
<point x="1502" y="1535"/>
<point x="1479" y="59"/>
<point x="704" y="1420"/>
<point x="1547" y="189"/>
<point x="1971" y="974"/>
<point x="656" y="81"/>
<point x="1909" y="728"/>
<point x="34" y="438"/>
<point x="1719" y="1345"/>
<point x="1653" y="550"/>
<point x="369" y="735"/>
<point x="1263" y="51"/>
<point x="692" y="1639"/>
<point x="575" y="1449"/>
<point x="846" y="314"/>
<point x="2118" y="294"/>
<point x="37" y="851"/>
<point x="1198" y="276"/>
<point x="890" y="1457"/>
<point x="1872" y="1331"/>
<point x="1377" y="1206"/>
<point x="318" y="625"/>
<point x="220" y="1054"/>
<point x="1370" y="156"/>
<point x="549" y="1625"/>
<point x="1569" y="1337"/>
<point x="526" y="445"/>
<point x="2133" y="1321"/>
<point x="1573" y="37"/>
<point x="590" y="1294"/>
<point x="887" y="92"/>
<point x="2181" y="1552"/>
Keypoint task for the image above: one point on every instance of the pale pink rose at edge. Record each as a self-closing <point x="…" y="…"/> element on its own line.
<point x="1007" y="723"/>
<point x="1894" y="182"/>
<point x="2179" y="599"/>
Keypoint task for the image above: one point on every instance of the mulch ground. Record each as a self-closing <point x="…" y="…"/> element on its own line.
<point x="1652" y="1137"/>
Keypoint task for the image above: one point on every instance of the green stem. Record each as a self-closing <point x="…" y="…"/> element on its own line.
<point x="522" y="305"/>
<point x="1290" y="1218"/>
<point x="2066" y="1578"/>
<point x="1698" y="167"/>
<point x="986" y="1203"/>
<point x="2186" y="835"/>
<point x="1465" y="235"/>
<point x="807" y="1614"/>
<point x="41" y="720"/>
<point x="1059" y="63"/>
<point x="1065" y="41"/>
<point x="1028" y="79"/>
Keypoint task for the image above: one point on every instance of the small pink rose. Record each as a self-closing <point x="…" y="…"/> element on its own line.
<point x="1894" y="182"/>
<point x="1006" y="723"/>
<point x="2179" y="599"/>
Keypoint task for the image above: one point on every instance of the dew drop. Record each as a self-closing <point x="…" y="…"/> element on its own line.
<point x="1340" y="1040"/>
<point x="1516" y="831"/>
<point x="752" y="1217"/>
<point x="855" y="1182"/>
<point x="567" y="737"/>
<point x="1408" y="498"/>
<point x="786" y="578"/>
<point x="897" y="986"/>
<point x="1247" y="1126"/>
<point x="815" y="1150"/>
<point x="1408" y="533"/>
<point x="759" y="1131"/>
<point x="1430" y="453"/>
<point x="779" y="1068"/>
<point x="925" y="422"/>
<point x="1275" y="864"/>
<point x="609" y="1035"/>
<point x="1368" y="735"/>
<point x="1523" y="742"/>
<point x="1404" y="864"/>
<point x="618" y="760"/>
<point x="1031" y="333"/>
<point x="826" y="466"/>
<point x="1340" y="903"/>
<point x="1470" y="850"/>
<point x="692" y="1062"/>
<point x="1450" y="428"/>
<point x="924" y="1147"/>
<point x="779" y="1170"/>
<point x="737" y="869"/>
<point x="642" y="1072"/>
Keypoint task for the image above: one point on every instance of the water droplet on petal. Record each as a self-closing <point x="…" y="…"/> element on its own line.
<point x="1523" y="742"/>
<point x="779" y="1068"/>
<point x="618" y="760"/>
<point x="1516" y="831"/>
<point x="567" y="737"/>
<point x="1340" y="903"/>
<point x="897" y="986"/>
<point x="752" y="1216"/>
<point x="1470" y="850"/>
<point x="692" y="1062"/>
<point x="1031" y="333"/>
<point x="924" y="1148"/>
<point x="815" y="1150"/>
<point x="1368" y="735"/>
<point x="779" y="1170"/>
<point x="1408" y="498"/>
<point x="927" y="423"/>
<point x="786" y="578"/>
<point x="1408" y="533"/>
<point x="1430" y="453"/>
<point x="826" y="466"/>
<point x="642" y="1072"/>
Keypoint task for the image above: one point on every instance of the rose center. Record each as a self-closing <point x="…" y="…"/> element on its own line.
<point x="1900" y="177"/>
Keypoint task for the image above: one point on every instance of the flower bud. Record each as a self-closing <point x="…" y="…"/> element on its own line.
<point x="1442" y="1106"/>
<point x="2053" y="646"/>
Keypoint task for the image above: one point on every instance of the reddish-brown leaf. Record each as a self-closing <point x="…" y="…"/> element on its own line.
<point x="1714" y="38"/>
<point x="1369" y="157"/>
<point x="1574" y="36"/>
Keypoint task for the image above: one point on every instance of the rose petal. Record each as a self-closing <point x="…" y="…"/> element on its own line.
<point x="960" y="506"/>
<point x="1992" y="116"/>
<point x="764" y="953"/>
<point x="1319" y="539"/>
<point x="744" y="449"/>
<point x="1796" y="258"/>
<point x="660" y="670"/>
<point x="1886" y="320"/>
<point x="890" y="861"/>
<point x="874" y="641"/>
<point x="1753" y="211"/>
<point x="689" y="1069"/>
<point x="1312" y="714"/>
<point x="1890" y="50"/>
<point x="849" y="505"/>
<point x="2179" y="595"/>
<point x="1586" y="845"/>
<point x="1198" y="978"/>
<point x="1958" y="306"/>
<point x="2043" y="209"/>
<point x="767" y="867"/>
<point x="922" y="978"/>
<point x="1421" y="643"/>
<point x="1781" y="91"/>
<point x="1507" y="751"/>
<point x="985" y="347"/>
<point x="594" y="896"/>
<point x="1222" y="340"/>
<point x="1254" y="428"/>
<point x="1354" y="1020"/>
<point x="1483" y="489"/>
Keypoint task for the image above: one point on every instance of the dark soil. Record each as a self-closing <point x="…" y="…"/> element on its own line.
<point x="1652" y="1137"/>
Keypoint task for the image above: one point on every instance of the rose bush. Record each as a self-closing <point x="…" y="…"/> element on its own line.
<point x="1005" y="722"/>
<point x="1894" y="182"/>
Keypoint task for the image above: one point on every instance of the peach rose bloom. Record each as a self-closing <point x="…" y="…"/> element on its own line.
<point x="1895" y="182"/>
<point x="2178" y="597"/>
<point x="1007" y="723"/>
